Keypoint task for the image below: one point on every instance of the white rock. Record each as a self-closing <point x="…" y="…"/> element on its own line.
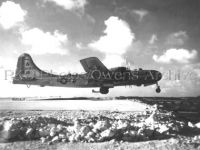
<point x="114" y="125"/>
<point x="90" y="134"/>
<point x="72" y="138"/>
<point x="52" y="132"/>
<point x="64" y="140"/>
<point x="197" y="125"/>
<point x="50" y="143"/>
<point x="59" y="127"/>
<point x="196" y="138"/>
<point x="62" y="136"/>
<point x="43" y="140"/>
<point x="91" y="124"/>
<point x="77" y="126"/>
<point x="191" y="125"/>
<point x="112" y="141"/>
<point x="10" y="130"/>
<point x="95" y="130"/>
<point x="151" y="119"/>
<point x="70" y="129"/>
<point x="173" y="141"/>
<point x="132" y="133"/>
<point x="141" y="130"/>
<point x="155" y="107"/>
<point x="29" y="132"/>
<point x="102" y="125"/>
<point x="53" y="129"/>
<point x="7" y="125"/>
<point x="163" y="128"/>
<point x="107" y="133"/>
<point x="91" y="140"/>
<point x="55" y="139"/>
<point x="77" y="137"/>
<point x="140" y="124"/>
<point x="132" y="124"/>
<point x="123" y="124"/>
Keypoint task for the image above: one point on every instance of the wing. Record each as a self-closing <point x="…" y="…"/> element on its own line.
<point x="93" y="63"/>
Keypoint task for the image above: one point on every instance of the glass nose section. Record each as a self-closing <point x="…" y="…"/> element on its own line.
<point x="158" y="75"/>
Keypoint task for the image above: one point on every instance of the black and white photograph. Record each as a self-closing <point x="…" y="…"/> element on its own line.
<point x="99" y="74"/>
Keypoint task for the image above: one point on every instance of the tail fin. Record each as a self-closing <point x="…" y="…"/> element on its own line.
<point x="26" y="69"/>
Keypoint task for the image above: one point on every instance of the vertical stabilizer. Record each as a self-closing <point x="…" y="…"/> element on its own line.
<point x="26" y="69"/>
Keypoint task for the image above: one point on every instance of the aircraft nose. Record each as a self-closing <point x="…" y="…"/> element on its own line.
<point x="158" y="75"/>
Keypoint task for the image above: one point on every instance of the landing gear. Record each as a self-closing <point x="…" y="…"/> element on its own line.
<point x="93" y="91"/>
<point x="158" y="90"/>
<point x="103" y="90"/>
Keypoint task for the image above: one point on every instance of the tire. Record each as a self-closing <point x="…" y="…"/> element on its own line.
<point x="104" y="90"/>
<point x="158" y="90"/>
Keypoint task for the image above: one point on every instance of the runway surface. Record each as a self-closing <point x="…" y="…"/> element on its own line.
<point x="113" y="105"/>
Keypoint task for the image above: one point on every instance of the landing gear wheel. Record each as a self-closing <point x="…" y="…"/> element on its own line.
<point x="104" y="90"/>
<point x="158" y="90"/>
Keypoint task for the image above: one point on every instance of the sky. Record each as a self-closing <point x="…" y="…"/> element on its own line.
<point x="149" y="34"/>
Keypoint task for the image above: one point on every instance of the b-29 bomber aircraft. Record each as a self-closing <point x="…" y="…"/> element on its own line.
<point x="97" y="75"/>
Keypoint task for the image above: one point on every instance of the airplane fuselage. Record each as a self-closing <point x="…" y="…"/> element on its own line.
<point x="94" y="79"/>
<point x="97" y="75"/>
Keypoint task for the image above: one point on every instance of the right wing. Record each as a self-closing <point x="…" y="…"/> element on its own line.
<point x="93" y="63"/>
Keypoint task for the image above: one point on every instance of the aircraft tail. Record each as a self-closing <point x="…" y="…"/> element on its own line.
<point x="26" y="69"/>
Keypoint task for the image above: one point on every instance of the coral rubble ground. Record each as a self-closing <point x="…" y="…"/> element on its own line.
<point x="151" y="129"/>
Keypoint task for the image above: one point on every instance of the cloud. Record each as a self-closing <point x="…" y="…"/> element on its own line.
<point x="153" y="39"/>
<point x="11" y="14"/>
<point x="116" y="41"/>
<point x="177" y="38"/>
<point x="141" y="13"/>
<point x="193" y="68"/>
<point x="69" y="4"/>
<point x="118" y="37"/>
<point x="197" y="70"/>
<point x="175" y="87"/>
<point x="111" y="61"/>
<point x="7" y="63"/>
<point x="90" y="19"/>
<point x="41" y="42"/>
<point x="66" y="68"/>
<point x="178" y="55"/>
<point x="181" y="80"/>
